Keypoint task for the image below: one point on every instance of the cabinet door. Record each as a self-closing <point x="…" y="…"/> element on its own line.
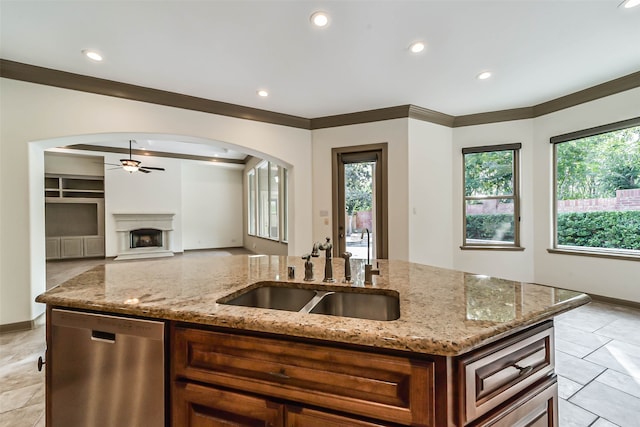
<point x="53" y="247"/>
<point x="93" y="246"/>
<point x="199" y="406"/>
<point x="305" y="417"/>
<point x="71" y="247"/>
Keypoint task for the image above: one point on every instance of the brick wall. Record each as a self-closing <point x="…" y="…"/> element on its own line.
<point x="625" y="200"/>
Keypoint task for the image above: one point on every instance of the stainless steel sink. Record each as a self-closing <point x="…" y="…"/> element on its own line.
<point x="371" y="306"/>
<point x="274" y="297"/>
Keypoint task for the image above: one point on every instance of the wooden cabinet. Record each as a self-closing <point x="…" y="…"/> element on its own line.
<point x="389" y="388"/>
<point x="200" y="406"/>
<point x="220" y="376"/>
<point x="537" y="408"/>
<point x="494" y="374"/>
<point x="305" y="417"/>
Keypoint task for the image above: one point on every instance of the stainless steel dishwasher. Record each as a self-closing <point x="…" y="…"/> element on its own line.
<point x="106" y="370"/>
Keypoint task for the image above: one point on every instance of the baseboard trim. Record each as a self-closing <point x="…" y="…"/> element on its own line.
<point x="617" y="301"/>
<point x="22" y="326"/>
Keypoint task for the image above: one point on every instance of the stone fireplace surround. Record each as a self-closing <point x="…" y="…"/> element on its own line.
<point x="127" y="222"/>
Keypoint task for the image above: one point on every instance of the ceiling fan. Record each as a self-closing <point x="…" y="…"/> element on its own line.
<point x="131" y="165"/>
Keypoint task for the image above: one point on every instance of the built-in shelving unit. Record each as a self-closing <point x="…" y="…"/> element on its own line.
<point x="74" y="216"/>
<point x="74" y="186"/>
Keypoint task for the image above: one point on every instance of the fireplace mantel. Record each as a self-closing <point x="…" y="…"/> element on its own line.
<point x="128" y="222"/>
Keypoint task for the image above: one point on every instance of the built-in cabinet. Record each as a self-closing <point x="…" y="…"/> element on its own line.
<point x="74" y="216"/>
<point x="221" y="378"/>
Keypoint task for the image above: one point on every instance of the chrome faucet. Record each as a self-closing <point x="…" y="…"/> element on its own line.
<point x="347" y="266"/>
<point x="328" y="267"/>
<point x="368" y="268"/>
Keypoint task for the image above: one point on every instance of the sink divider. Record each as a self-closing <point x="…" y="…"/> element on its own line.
<point x="315" y="300"/>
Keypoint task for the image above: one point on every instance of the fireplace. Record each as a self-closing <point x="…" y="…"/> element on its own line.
<point x="145" y="238"/>
<point x="143" y="235"/>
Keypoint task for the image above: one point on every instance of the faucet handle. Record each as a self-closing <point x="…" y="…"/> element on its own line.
<point x="347" y="255"/>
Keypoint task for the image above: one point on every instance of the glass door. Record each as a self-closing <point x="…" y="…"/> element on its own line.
<point x="359" y="201"/>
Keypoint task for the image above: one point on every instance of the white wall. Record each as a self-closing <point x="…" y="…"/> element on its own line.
<point x="211" y="206"/>
<point x="430" y="208"/>
<point x="155" y="192"/>
<point x="515" y="265"/>
<point x="393" y="132"/>
<point x="607" y="277"/>
<point x="35" y="117"/>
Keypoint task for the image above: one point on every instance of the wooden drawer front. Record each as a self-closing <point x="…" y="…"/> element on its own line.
<point x="305" y="417"/>
<point x="199" y="406"/>
<point x="539" y="408"/>
<point x="378" y="386"/>
<point x="494" y="375"/>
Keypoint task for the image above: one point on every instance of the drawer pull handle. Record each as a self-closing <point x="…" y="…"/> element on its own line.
<point x="280" y="375"/>
<point x="523" y="370"/>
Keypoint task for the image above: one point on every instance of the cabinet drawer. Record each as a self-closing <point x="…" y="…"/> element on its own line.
<point x="495" y="374"/>
<point x="385" y="387"/>
<point x="538" y="408"/>
<point x="305" y="417"/>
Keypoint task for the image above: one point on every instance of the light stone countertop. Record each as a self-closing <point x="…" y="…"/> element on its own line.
<point x="442" y="312"/>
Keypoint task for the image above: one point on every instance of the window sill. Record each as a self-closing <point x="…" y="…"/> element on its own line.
<point x="491" y="248"/>
<point x="595" y="253"/>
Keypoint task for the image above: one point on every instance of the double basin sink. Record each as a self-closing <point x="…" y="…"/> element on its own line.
<point x="363" y="304"/>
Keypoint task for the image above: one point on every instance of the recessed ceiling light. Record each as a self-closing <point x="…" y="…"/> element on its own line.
<point x="416" y="47"/>
<point x="319" y="19"/>
<point x="92" y="54"/>
<point x="627" y="4"/>
<point x="263" y="93"/>
<point x="484" y="75"/>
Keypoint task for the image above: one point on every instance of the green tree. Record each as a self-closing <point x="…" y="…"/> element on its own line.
<point x="358" y="186"/>
<point x="598" y="165"/>
<point x="488" y="173"/>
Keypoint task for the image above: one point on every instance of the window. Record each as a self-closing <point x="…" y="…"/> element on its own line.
<point x="264" y="188"/>
<point x="597" y="190"/>
<point x="251" y="205"/>
<point x="491" y="204"/>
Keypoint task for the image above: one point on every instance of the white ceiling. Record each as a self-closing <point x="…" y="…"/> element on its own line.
<point x="226" y="50"/>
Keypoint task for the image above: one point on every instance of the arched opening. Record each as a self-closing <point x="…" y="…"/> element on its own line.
<point x="118" y="183"/>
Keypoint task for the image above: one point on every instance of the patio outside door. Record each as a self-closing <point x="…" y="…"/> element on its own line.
<point x="360" y="207"/>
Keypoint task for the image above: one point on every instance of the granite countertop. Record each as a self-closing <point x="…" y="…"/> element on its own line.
<point x="442" y="312"/>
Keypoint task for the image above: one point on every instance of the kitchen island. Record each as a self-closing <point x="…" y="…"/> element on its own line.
<point x="466" y="349"/>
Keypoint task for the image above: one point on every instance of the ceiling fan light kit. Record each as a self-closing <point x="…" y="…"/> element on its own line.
<point x="130" y="165"/>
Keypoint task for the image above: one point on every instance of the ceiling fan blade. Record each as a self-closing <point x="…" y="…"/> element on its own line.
<point x="152" y="168"/>
<point x="111" y="169"/>
<point x="143" y="170"/>
<point x="112" y="164"/>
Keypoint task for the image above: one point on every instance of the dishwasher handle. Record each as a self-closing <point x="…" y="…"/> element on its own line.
<point x="102" y="336"/>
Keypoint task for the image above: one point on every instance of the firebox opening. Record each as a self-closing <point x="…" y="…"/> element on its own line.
<point x="146" y="238"/>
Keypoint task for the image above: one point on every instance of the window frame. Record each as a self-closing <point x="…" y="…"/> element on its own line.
<point x="515" y="196"/>
<point x="621" y="254"/>
<point x="281" y="208"/>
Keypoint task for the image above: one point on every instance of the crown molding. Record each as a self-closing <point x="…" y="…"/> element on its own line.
<point x="630" y="81"/>
<point x="63" y="79"/>
<point x="47" y="76"/>
<point x="377" y="115"/>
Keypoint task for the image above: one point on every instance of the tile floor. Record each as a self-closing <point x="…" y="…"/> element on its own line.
<point x="597" y="362"/>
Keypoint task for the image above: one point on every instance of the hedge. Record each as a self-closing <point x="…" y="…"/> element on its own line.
<point x="604" y="229"/>
<point x="483" y="227"/>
